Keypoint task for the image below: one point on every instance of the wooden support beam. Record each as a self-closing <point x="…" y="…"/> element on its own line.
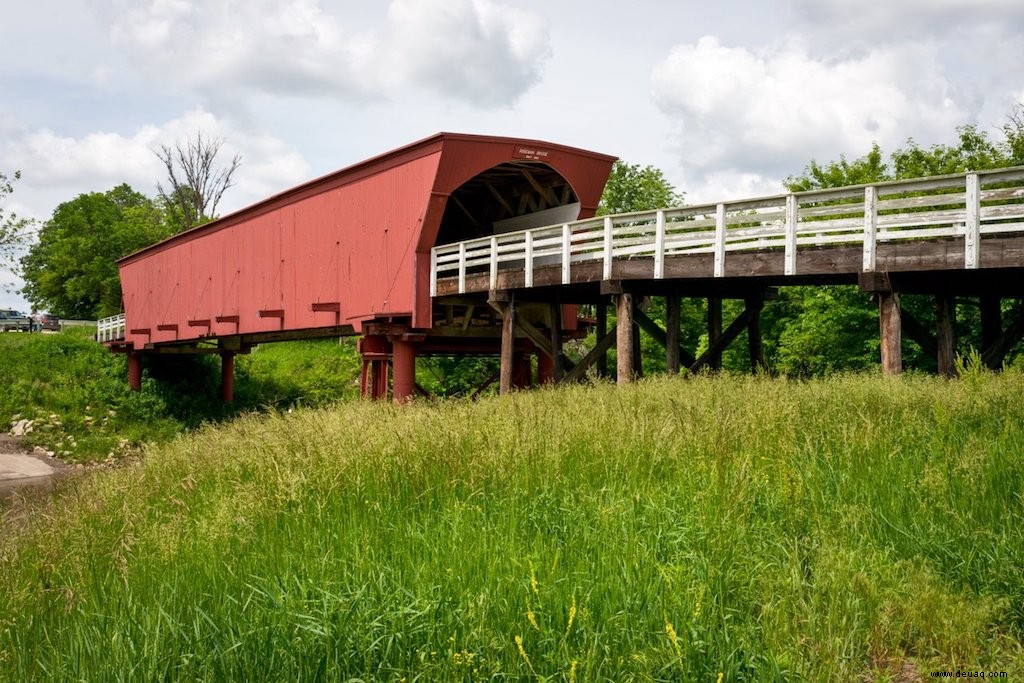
<point x="602" y="332"/>
<point x="673" y="351"/>
<point x="715" y="331"/>
<point x="661" y="336"/>
<point x="135" y="371"/>
<point x="991" y="324"/>
<point x="227" y="377"/>
<point x="755" y="344"/>
<point x="508" y="339"/>
<point x="945" y="333"/>
<point x="638" y="356"/>
<point x="624" y="337"/>
<point x="600" y="350"/>
<point x="918" y="333"/>
<point x="995" y="354"/>
<point x="467" y="317"/>
<point x="542" y="341"/>
<point x="715" y="348"/>
<point x="890" y="330"/>
<point x="545" y="193"/>
<point x="556" y="341"/>
<point x="498" y="198"/>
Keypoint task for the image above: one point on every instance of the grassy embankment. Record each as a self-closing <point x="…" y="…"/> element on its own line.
<point x="76" y="391"/>
<point x="757" y="528"/>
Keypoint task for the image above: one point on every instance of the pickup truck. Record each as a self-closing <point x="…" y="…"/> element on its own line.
<point x="13" y="320"/>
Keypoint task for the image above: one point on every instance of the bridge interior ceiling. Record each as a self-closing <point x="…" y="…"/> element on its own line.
<point x="506" y="191"/>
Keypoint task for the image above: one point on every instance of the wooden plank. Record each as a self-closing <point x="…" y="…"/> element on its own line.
<point x="791" y="225"/>
<point x="715" y="348"/>
<point x="507" y="346"/>
<point x="714" y="331"/>
<point x="972" y="221"/>
<point x="720" y="238"/>
<point x="673" y="351"/>
<point x="624" y="337"/>
<point x="870" y="227"/>
<point x="755" y="343"/>
<point x="661" y="336"/>
<point x="945" y="333"/>
<point x="604" y="342"/>
<point x="890" y="331"/>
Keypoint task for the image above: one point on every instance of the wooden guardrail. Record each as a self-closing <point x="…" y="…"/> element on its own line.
<point x="110" y="329"/>
<point x="966" y="206"/>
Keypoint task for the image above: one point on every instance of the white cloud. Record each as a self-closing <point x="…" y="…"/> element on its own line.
<point x="56" y="168"/>
<point x="900" y="17"/>
<point x="771" y="110"/>
<point x="478" y="51"/>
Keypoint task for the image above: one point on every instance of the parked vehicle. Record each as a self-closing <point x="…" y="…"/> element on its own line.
<point x="45" y="321"/>
<point x="11" y="320"/>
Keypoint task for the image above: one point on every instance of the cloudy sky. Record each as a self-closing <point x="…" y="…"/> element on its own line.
<point x="727" y="97"/>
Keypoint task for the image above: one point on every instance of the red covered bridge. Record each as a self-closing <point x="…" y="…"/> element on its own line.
<point x="349" y="253"/>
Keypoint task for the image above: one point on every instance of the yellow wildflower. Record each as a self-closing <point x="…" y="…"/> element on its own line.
<point x="671" y="631"/>
<point x="572" y="672"/>
<point x="572" y="617"/>
<point x="532" y="617"/>
<point x="522" y="653"/>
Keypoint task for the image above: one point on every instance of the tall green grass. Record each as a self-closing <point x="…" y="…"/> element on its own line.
<point x="76" y="391"/>
<point x="673" y="530"/>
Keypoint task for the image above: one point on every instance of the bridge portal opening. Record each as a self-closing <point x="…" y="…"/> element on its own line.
<point x="514" y="196"/>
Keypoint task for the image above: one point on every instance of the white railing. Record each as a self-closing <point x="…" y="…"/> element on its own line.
<point x="966" y="206"/>
<point x="110" y="329"/>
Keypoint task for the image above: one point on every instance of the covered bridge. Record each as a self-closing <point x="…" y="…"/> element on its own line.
<point x="350" y="254"/>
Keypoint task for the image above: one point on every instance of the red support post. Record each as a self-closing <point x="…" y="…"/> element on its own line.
<point x="135" y="371"/>
<point x="403" y="365"/>
<point x="375" y="351"/>
<point x="227" y="377"/>
<point x="545" y="368"/>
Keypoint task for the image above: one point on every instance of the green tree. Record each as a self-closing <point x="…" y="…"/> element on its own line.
<point x="817" y="330"/>
<point x="14" y="231"/>
<point x="632" y="188"/>
<point x="71" y="270"/>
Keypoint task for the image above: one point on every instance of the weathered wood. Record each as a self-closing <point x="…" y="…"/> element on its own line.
<point x="890" y="331"/>
<point x="556" y="341"/>
<point x="624" y="337"/>
<point x="994" y="355"/>
<point x="715" y="348"/>
<point x="715" y="331"/>
<point x="918" y="333"/>
<point x="600" y="350"/>
<point x="602" y="332"/>
<point x="673" y="352"/>
<point x="945" y="334"/>
<point x="659" y="335"/>
<point x="638" y="355"/>
<point x="991" y="324"/>
<point x="507" y="346"/>
<point x="755" y="304"/>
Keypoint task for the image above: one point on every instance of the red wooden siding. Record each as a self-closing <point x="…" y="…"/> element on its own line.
<point x="359" y="238"/>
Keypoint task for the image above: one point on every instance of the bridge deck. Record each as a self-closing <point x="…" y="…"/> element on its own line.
<point x="965" y="222"/>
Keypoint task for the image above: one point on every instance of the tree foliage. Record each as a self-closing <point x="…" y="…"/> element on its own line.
<point x="14" y="231"/>
<point x="71" y="270"/>
<point x="195" y="183"/>
<point x="816" y="330"/>
<point x="632" y="188"/>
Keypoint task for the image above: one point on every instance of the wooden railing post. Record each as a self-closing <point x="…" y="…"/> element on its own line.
<point x="791" y="223"/>
<point x="566" y="253"/>
<point x="607" y="248"/>
<point x="870" y="227"/>
<point x="972" y="222"/>
<point x="720" y="240"/>
<point x="493" y="265"/>
<point x="659" y="246"/>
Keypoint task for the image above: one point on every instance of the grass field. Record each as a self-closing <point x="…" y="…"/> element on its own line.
<point x="745" y="528"/>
